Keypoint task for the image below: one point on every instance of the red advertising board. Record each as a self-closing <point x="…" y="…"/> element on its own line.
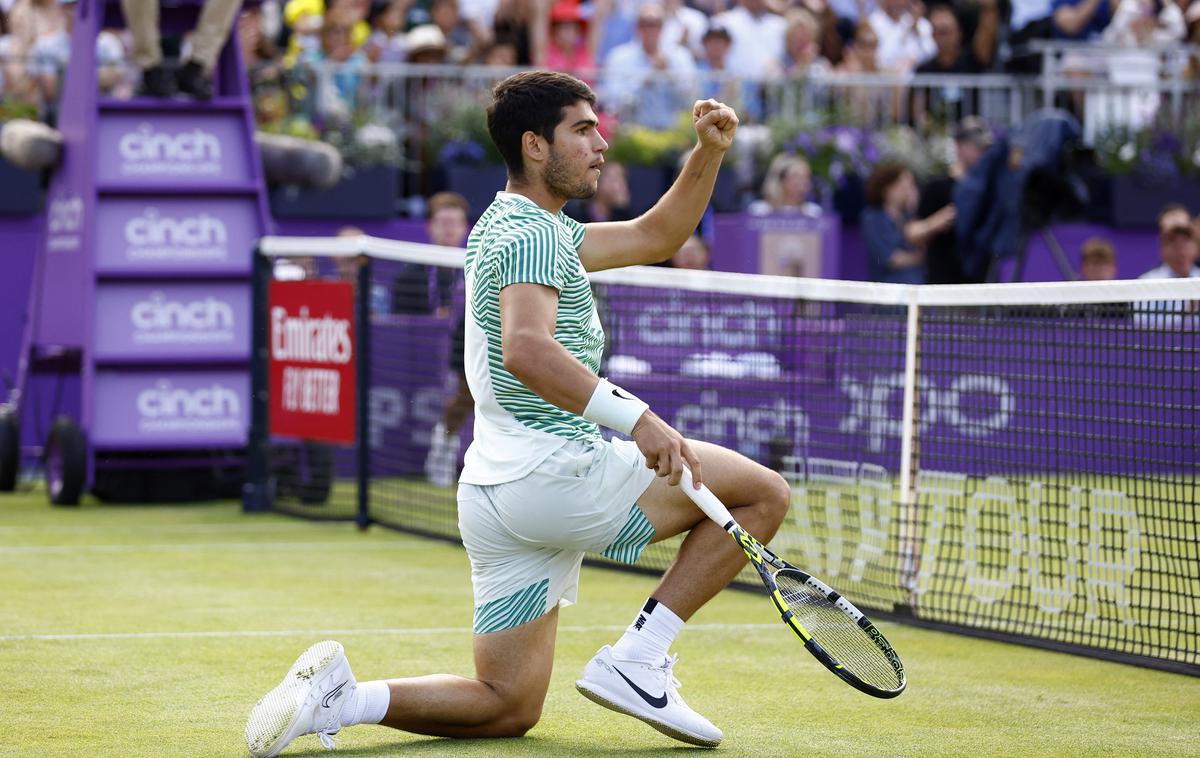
<point x="312" y="360"/>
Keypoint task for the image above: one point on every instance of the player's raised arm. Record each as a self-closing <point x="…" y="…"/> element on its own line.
<point x="656" y="235"/>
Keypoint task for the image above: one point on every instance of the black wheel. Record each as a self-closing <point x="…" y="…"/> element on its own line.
<point x="314" y="475"/>
<point x="10" y="450"/>
<point x="66" y="462"/>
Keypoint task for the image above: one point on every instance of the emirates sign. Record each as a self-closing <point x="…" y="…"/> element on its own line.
<point x="312" y="360"/>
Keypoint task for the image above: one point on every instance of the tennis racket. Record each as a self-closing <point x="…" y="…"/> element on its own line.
<point x="832" y="629"/>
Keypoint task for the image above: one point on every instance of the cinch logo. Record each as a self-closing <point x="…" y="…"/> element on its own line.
<point x="309" y="340"/>
<point x="164" y="401"/>
<point x="151" y="229"/>
<point x="65" y="214"/>
<point x="64" y="223"/>
<point x="750" y="431"/>
<point x="158" y="320"/>
<point x="155" y="236"/>
<point x="148" y="146"/>
<point x="746" y="325"/>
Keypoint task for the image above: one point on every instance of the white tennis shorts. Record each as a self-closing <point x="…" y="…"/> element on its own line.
<point x="526" y="538"/>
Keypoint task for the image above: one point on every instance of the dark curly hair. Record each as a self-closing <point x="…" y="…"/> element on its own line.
<point x="531" y="101"/>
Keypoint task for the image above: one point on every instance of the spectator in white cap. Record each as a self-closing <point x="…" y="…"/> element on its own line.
<point x="426" y="44"/>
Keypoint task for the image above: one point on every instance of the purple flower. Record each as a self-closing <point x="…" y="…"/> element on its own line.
<point x="1166" y="143"/>
<point x="845" y="141"/>
<point x="461" y="151"/>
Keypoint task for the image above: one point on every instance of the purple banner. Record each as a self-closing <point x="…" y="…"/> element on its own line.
<point x="996" y="398"/>
<point x="786" y="244"/>
<point x="407" y="389"/>
<point x="189" y="149"/>
<point x="61" y="310"/>
<point x="213" y="235"/>
<point x="170" y="409"/>
<point x="166" y="321"/>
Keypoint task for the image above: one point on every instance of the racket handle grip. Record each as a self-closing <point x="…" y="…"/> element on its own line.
<point x="706" y="501"/>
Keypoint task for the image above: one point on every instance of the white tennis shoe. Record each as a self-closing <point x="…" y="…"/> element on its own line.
<point x="309" y="699"/>
<point x="648" y="692"/>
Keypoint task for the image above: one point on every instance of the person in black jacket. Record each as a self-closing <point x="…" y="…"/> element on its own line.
<point x="971" y="139"/>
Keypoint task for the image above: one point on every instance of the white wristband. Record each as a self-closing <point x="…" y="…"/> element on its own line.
<point x="613" y="407"/>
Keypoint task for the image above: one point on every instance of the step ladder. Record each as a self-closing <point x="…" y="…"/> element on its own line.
<point x="141" y="302"/>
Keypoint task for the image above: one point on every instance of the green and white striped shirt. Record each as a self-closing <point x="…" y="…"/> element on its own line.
<point x="517" y="241"/>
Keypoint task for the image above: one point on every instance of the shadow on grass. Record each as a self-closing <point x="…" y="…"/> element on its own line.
<point x="440" y="746"/>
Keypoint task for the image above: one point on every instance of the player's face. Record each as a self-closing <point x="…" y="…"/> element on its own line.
<point x="573" y="169"/>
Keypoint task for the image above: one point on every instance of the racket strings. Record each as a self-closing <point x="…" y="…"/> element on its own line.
<point x="837" y="633"/>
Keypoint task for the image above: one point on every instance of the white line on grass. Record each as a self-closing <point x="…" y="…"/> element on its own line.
<point x="404" y="632"/>
<point x="134" y="547"/>
<point x="223" y="528"/>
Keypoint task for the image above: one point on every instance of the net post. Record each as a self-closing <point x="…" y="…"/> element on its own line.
<point x="362" y="316"/>
<point x="255" y="492"/>
<point x="909" y="542"/>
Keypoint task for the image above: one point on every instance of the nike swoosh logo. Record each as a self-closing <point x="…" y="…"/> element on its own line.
<point x="623" y="397"/>
<point x="334" y="694"/>
<point x="657" y="702"/>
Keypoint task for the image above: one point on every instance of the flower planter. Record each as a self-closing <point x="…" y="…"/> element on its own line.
<point x="726" y="197"/>
<point x="1136" y="201"/>
<point x="20" y="190"/>
<point x="646" y="186"/>
<point x="363" y="192"/>
<point x="478" y="183"/>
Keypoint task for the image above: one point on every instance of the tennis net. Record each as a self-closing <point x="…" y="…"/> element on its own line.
<point x="1013" y="461"/>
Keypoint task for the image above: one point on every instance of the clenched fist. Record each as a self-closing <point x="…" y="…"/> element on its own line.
<point x="715" y="124"/>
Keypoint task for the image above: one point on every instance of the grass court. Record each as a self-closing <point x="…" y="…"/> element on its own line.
<point x="152" y="630"/>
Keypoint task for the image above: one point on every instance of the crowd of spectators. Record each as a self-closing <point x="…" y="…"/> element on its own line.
<point x="647" y="59"/>
<point x="647" y="54"/>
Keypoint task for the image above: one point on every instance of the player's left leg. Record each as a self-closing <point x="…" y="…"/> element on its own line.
<point x="319" y="694"/>
<point x="635" y="676"/>
<point x="512" y="675"/>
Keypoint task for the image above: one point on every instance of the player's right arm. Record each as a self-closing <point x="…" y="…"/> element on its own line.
<point x="657" y="234"/>
<point x="528" y="313"/>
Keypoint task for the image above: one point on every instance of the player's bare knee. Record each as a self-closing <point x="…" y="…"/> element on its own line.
<point x="777" y="497"/>
<point x="516" y="722"/>
<point x="512" y="712"/>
